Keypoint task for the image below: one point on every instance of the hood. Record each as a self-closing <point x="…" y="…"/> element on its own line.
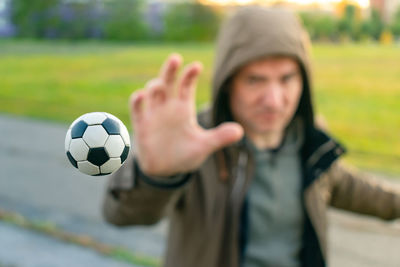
<point x="253" y="33"/>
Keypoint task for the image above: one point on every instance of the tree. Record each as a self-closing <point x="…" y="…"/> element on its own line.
<point x="320" y="26"/>
<point x="395" y="25"/>
<point x="348" y="25"/>
<point x="31" y="17"/>
<point x="374" y="26"/>
<point x="190" y="22"/>
<point x="56" y="19"/>
<point x="125" y="20"/>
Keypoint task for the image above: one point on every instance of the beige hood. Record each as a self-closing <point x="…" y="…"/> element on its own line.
<point x="253" y="33"/>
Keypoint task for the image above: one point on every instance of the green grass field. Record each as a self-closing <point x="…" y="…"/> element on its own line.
<point x="357" y="87"/>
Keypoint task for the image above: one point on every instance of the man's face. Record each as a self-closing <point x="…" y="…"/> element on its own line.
<point x="265" y="95"/>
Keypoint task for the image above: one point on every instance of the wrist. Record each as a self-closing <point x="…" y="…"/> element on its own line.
<point x="167" y="181"/>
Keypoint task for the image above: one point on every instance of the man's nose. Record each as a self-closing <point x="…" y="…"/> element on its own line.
<point x="272" y="96"/>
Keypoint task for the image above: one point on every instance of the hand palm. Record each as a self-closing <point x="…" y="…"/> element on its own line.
<point x="168" y="138"/>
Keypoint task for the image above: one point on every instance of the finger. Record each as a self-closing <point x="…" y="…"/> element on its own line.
<point x="169" y="70"/>
<point x="187" y="84"/>
<point x="224" y="135"/>
<point x="136" y="105"/>
<point x="156" y="92"/>
<point x="152" y="82"/>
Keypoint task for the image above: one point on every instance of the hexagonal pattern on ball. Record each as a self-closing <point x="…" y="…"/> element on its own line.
<point x="113" y="117"/>
<point x="94" y="118"/>
<point x="123" y="131"/>
<point x="125" y="154"/>
<point x="125" y="136"/>
<point x="78" y="149"/>
<point x="111" y="126"/>
<point x="88" y="168"/>
<point x="114" y="146"/>
<point x="78" y="129"/>
<point x="98" y="156"/>
<point x="110" y="166"/>
<point x="72" y="160"/>
<point x="67" y="140"/>
<point x="95" y="136"/>
<point x="75" y="121"/>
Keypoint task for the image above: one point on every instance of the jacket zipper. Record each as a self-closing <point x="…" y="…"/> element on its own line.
<point x="235" y="201"/>
<point x="240" y="180"/>
<point x="317" y="155"/>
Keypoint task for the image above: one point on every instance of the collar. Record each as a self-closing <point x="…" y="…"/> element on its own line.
<point x="318" y="153"/>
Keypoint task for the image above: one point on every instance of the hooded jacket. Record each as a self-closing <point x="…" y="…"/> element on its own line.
<point x="206" y="207"/>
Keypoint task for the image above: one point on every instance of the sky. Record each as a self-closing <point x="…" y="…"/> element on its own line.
<point x="362" y="3"/>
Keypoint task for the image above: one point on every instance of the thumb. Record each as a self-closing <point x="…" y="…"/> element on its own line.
<point x="224" y="135"/>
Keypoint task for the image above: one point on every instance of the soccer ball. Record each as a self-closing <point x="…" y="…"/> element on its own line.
<point x="97" y="143"/>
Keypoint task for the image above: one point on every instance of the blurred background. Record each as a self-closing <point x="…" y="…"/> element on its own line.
<point x="62" y="58"/>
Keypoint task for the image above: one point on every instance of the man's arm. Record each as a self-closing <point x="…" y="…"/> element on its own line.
<point x="361" y="193"/>
<point x="131" y="199"/>
<point x="168" y="140"/>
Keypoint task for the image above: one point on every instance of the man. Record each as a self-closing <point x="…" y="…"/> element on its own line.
<point x="251" y="185"/>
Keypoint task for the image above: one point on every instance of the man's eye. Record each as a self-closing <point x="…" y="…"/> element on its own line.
<point x="254" y="80"/>
<point x="288" y="78"/>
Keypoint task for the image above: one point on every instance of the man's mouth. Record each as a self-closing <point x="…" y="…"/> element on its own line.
<point x="268" y="115"/>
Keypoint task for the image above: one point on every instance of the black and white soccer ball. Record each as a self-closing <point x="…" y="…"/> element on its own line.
<point x="97" y="143"/>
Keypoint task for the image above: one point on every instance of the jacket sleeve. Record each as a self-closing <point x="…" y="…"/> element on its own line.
<point x="361" y="193"/>
<point x="135" y="199"/>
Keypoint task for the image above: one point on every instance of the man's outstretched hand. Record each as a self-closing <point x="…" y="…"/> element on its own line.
<point x="167" y="136"/>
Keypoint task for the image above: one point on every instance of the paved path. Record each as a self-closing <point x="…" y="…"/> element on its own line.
<point x="20" y="247"/>
<point x="37" y="181"/>
<point x="357" y="241"/>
